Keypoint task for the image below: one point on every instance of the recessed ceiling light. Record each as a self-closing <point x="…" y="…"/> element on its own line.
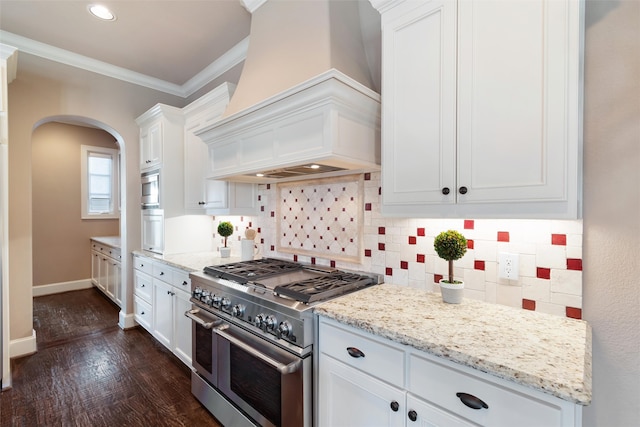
<point x="101" y="12"/>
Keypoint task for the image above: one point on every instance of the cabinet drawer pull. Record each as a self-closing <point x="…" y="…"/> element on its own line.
<point x="445" y="190"/>
<point x="395" y="406"/>
<point x="354" y="352"/>
<point x="471" y="401"/>
<point x="413" y="415"/>
<point x="463" y="190"/>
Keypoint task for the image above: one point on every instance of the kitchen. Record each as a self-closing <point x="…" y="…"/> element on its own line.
<point x="607" y="233"/>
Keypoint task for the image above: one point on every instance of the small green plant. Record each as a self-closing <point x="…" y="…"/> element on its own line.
<point x="450" y="246"/>
<point x="225" y="229"/>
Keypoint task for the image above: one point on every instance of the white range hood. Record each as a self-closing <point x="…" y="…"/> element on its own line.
<point x="292" y="107"/>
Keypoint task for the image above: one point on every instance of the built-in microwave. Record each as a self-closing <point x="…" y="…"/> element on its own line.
<point x="150" y="189"/>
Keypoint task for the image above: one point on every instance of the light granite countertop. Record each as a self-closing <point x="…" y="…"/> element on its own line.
<point x="541" y="351"/>
<point x="192" y="261"/>
<point x="113" y="241"/>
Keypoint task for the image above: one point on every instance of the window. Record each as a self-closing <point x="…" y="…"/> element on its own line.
<point x="99" y="183"/>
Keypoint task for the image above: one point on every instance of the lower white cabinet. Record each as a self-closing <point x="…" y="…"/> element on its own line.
<point x="106" y="270"/>
<point x="359" y="385"/>
<point x="161" y="297"/>
<point x="153" y="230"/>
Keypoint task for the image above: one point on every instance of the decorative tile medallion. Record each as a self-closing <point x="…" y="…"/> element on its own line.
<point x="321" y="218"/>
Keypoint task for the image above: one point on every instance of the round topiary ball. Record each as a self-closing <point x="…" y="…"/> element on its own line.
<point x="450" y="245"/>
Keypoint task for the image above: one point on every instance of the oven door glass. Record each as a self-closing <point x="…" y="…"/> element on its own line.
<point x="265" y="381"/>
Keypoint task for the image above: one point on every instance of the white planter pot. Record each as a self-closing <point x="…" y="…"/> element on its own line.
<point x="452" y="293"/>
<point x="225" y="252"/>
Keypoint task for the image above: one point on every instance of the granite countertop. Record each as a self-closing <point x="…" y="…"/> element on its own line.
<point x="193" y="261"/>
<point x="545" y="352"/>
<point x="113" y="241"/>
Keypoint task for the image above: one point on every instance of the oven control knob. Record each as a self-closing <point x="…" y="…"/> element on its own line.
<point x="259" y="321"/>
<point x="270" y="322"/>
<point x="216" y="300"/>
<point x="284" y="329"/>
<point x="206" y="299"/>
<point x="238" y="310"/>
<point x="225" y="303"/>
<point x="204" y="296"/>
<point x="197" y="292"/>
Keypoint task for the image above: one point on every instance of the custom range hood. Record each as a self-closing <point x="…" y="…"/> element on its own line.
<point x="303" y="107"/>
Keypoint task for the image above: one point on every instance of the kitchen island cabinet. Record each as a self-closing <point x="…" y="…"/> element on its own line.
<point x="482" y="108"/>
<point x="418" y="354"/>
<point x="106" y="266"/>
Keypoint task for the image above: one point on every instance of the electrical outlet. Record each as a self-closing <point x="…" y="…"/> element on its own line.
<point x="508" y="265"/>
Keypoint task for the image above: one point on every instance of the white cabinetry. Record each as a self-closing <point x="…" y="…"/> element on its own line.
<point x="151" y="146"/>
<point x="203" y="195"/>
<point x="161" y="297"/>
<point x="153" y="230"/>
<point x="106" y="269"/>
<point x="482" y="108"/>
<point x="364" y="380"/>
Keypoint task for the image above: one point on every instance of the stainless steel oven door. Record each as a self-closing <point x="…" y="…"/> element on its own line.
<point x="204" y="344"/>
<point x="150" y="190"/>
<point x="271" y="385"/>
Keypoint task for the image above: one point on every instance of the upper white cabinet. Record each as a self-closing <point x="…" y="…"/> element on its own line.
<point x="482" y="108"/>
<point x="202" y="195"/>
<point x="161" y="147"/>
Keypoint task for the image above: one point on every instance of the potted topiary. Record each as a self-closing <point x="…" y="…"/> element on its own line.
<point x="225" y="229"/>
<point x="451" y="245"/>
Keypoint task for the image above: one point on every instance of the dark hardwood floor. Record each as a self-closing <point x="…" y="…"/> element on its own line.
<point x="89" y="372"/>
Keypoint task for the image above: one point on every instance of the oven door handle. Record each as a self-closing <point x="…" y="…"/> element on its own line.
<point x="191" y="314"/>
<point x="281" y="367"/>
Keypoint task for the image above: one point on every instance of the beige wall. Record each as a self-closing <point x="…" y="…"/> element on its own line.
<point x="612" y="209"/>
<point x="43" y="89"/>
<point x="60" y="236"/>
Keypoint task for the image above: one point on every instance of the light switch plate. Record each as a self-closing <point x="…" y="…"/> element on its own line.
<point x="508" y="266"/>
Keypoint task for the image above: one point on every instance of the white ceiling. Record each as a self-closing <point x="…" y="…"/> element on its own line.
<point x="173" y="46"/>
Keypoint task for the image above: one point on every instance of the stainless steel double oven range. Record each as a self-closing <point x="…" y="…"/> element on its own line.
<point x="253" y="337"/>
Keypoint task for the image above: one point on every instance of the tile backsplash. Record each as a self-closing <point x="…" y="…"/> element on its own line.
<point x="401" y="249"/>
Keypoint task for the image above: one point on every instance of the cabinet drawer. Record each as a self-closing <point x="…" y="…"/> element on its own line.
<point x="113" y="253"/>
<point x="143" y="314"/>
<point x="142" y="285"/>
<point x="380" y="359"/>
<point x="163" y="272"/>
<point x="143" y="264"/>
<point x="439" y="383"/>
<point x="181" y="280"/>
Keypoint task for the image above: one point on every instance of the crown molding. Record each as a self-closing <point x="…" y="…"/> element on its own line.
<point x="252" y="5"/>
<point x="231" y="58"/>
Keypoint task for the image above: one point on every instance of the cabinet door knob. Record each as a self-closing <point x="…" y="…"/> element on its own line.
<point x="354" y="352"/>
<point x="445" y="190"/>
<point x="462" y="190"/>
<point x="413" y="415"/>
<point x="395" y="406"/>
<point x="471" y="401"/>
<point x="202" y="203"/>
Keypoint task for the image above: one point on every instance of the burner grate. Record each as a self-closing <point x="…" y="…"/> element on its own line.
<point x="246" y="271"/>
<point x="323" y="287"/>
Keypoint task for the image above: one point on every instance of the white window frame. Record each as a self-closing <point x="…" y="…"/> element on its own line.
<point x="114" y="212"/>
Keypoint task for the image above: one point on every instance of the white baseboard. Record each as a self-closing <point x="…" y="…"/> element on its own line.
<point x="126" y="321"/>
<point x="57" y="288"/>
<point x="23" y="346"/>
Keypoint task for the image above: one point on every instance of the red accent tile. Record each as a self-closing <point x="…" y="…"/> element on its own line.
<point x="404" y="265"/>
<point x="573" y="312"/>
<point x="469" y="244"/>
<point x="272" y="248"/>
<point x="412" y="240"/>
<point x="420" y="258"/>
<point x="478" y="265"/>
<point x="574" y="264"/>
<point x="268" y="186"/>
<point x="259" y="197"/>
<point x="437" y="278"/>
<point x="543" y="273"/>
<point x="381" y="230"/>
<point x="295" y="258"/>
<point x="388" y="271"/>
<point x="379" y="191"/>
<point x="381" y="246"/>
<point x="367" y="206"/>
<point x="333" y="264"/>
<point x="503" y="236"/>
<point x="313" y="260"/>
<point x="261" y="208"/>
<point x="259" y="229"/>
<point x="367" y="176"/>
<point x="559" y="239"/>
<point x="367" y="252"/>
<point x="529" y="304"/>
<point x="468" y="224"/>
<point x="262" y="241"/>
<point x="421" y="232"/>
<point x="273" y="214"/>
